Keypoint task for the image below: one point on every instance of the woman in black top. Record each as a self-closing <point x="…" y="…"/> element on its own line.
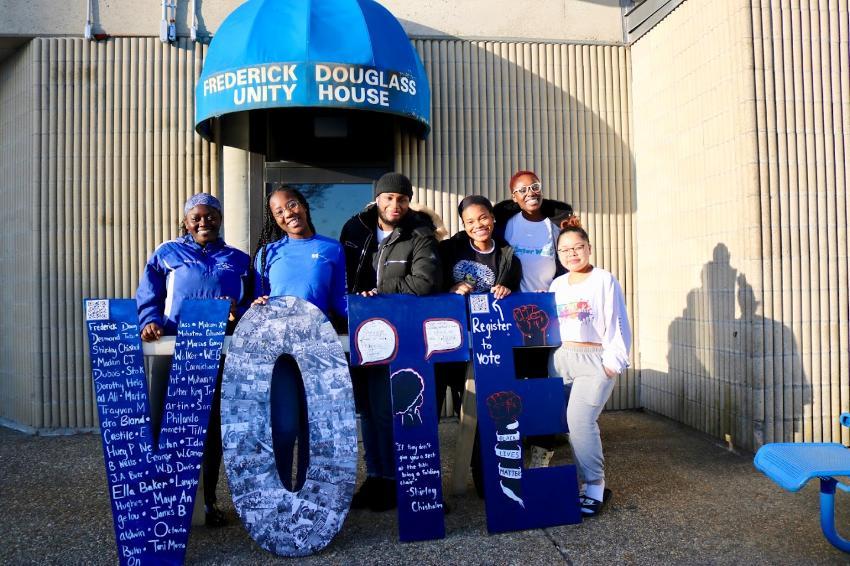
<point x="474" y="261"/>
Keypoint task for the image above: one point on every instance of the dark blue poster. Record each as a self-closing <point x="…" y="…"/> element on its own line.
<point x="152" y="489"/>
<point x="410" y="334"/>
<point x="510" y="409"/>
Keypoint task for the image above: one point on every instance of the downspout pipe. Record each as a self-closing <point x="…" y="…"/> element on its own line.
<point x="87" y="30"/>
<point x="193" y="28"/>
<point x="168" y="25"/>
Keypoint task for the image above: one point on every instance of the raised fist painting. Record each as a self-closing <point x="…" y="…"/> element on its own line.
<point x="505" y="408"/>
<point x="532" y="322"/>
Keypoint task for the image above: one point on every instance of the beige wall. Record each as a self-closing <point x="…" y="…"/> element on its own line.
<point x="22" y="211"/>
<point x="576" y="20"/>
<point x="741" y="218"/>
<point x="111" y="156"/>
<point x="730" y="239"/>
<point x="560" y="110"/>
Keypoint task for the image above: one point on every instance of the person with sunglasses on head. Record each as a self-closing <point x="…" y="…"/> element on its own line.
<point x="531" y="223"/>
<point x="198" y="265"/>
<point x="595" y="344"/>
<point x="291" y="259"/>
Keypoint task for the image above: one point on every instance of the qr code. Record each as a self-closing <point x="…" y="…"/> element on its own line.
<point x="97" y="309"/>
<point x="479" y="304"/>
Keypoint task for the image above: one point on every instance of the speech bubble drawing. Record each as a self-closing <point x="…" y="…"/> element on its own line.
<point x="376" y="341"/>
<point x="442" y="335"/>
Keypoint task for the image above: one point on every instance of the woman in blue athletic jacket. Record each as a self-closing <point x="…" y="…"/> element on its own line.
<point x="197" y="265"/>
<point x="291" y="259"/>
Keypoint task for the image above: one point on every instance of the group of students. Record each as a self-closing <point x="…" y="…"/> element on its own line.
<point x="527" y="244"/>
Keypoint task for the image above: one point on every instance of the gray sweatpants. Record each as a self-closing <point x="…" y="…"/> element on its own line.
<point x="589" y="389"/>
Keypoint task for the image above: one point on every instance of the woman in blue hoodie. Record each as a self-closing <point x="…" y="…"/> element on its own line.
<point x="197" y="265"/>
<point x="291" y="259"/>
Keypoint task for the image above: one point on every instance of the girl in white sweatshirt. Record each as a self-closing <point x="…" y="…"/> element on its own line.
<point x="595" y="344"/>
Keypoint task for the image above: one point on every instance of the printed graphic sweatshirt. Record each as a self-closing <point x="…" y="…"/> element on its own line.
<point x="595" y="311"/>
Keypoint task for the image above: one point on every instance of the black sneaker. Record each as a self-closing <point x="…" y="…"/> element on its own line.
<point x="385" y="496"/>
<point x="214" y="516"/>
<point x="365" y="494"/>
<point x="591" y="507"/>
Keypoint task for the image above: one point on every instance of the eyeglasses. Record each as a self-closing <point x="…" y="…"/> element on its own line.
<point x="291" y="205"/>
<point x="575" y="250"/>
<point x="523" y="189"/>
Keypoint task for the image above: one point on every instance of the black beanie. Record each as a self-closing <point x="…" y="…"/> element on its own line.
<point x="394" y="183"/>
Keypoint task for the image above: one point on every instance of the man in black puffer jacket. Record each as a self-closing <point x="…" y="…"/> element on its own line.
<point x="388" y="249"/>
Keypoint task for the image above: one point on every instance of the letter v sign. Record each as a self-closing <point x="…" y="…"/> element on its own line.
<point x="153" y="489"/>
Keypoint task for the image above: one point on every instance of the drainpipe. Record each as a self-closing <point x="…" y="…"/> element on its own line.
<point x="168" y="26"/>
<point x="193" y="28"/>
<point x="87" y="29"/>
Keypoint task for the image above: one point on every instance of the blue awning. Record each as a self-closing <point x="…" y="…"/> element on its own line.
<point x="341" y="54"/>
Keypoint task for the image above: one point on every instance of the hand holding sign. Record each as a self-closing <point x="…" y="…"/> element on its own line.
<point x="376" y="341"/>
<point x="442" y="335"/>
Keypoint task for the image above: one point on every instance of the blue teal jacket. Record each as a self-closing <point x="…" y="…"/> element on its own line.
<point x="181" y="269"/>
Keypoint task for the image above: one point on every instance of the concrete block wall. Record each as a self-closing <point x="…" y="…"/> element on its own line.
<point x="741" y="218"/>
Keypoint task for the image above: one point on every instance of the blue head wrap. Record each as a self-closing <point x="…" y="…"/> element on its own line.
<point x="202" y="198"/>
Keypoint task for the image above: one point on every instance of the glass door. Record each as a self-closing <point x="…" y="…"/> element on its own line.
<point x="332" y="204"/>
<point x="335" y="195"/>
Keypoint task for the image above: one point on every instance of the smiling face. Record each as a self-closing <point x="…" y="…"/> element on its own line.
<point x="478" y="223"/>
<point x="391" y="209"/>
<point x="290" y="215"/>
<point x="574" y="251"/>
<point x="527" y="193"/>
<point x="203" y="223"/>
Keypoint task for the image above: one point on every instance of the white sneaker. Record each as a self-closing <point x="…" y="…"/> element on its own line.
<point x="540" y="457"/>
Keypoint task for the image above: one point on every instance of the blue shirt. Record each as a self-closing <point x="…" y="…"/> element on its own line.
<point x="181" y="269"/>
<point x="312" y="269"/>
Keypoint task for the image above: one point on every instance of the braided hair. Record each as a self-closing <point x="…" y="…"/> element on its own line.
<point x="271" y="232"/>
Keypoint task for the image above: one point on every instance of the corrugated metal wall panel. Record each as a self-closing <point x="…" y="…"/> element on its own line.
<point x="561" y="110"/>
<point x="23" y="209"/>
<point x="117" y="156"/>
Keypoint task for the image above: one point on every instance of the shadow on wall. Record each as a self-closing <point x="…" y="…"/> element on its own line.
<point x="719" y="372"/>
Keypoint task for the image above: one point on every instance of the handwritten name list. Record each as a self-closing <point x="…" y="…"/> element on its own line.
<point x="152" y="488"/>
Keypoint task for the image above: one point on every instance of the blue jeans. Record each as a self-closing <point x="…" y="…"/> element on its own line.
<point x="374" y="404"/>
<point x="289" y="422"/>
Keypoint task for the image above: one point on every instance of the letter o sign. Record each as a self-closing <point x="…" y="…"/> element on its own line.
<point x="283" y="522"/>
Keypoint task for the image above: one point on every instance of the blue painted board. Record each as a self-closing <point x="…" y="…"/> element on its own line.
<point x="152" y="489"/>
<point x="411" y="334"/>
<point x="510" y="409"/>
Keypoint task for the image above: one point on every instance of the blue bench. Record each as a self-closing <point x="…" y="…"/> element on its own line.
<point x="792" y="465"/>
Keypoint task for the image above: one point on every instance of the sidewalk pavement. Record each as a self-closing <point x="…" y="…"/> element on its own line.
<point x="680" y="497"/>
